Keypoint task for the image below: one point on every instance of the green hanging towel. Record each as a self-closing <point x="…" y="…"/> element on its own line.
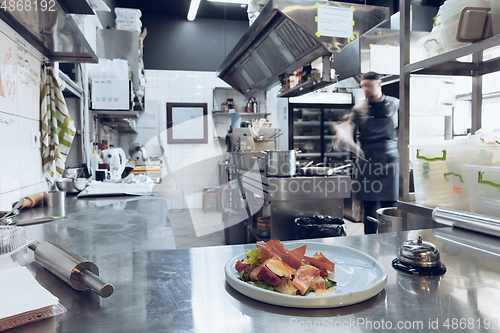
<point x="58" y="130"/>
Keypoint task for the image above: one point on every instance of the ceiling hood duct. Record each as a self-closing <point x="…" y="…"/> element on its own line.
<point x="285" y="38"/>
<point x="51" y="31"/>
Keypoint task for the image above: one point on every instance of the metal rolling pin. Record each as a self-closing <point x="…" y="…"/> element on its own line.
<point x="475" y="222"/>
<point x="76" y="271"/>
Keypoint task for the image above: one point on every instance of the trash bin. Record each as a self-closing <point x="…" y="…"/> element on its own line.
<point x="319" y="226"/>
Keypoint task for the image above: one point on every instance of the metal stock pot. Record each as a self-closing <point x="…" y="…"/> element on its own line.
<point x="280" y="163"/>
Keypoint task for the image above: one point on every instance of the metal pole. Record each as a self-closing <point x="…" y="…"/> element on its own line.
<point x="404" y="101"/>
<point x="477" y="92"/>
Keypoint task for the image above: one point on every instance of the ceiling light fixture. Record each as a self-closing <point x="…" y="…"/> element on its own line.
<point x="239" y="2"/>
<point x="193" y="9"/>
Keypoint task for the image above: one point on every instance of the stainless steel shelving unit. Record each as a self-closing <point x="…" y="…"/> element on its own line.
<point x="443" y="64"/>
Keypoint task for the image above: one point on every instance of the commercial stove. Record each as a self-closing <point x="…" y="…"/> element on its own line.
<point x="287" y="197"/>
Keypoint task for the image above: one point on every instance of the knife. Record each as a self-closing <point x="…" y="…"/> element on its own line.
<point x="35" y="221"/>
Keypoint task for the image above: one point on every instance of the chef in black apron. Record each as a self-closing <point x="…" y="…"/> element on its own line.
<point x="377" y="175"/>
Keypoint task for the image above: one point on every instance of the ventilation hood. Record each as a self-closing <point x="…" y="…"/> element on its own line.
<point x="52" y="31"/>
<point x="289" y="34"/>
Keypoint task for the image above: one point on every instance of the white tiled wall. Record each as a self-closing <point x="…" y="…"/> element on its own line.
<point x="195" y="164"/>
<point x="21" y="166"/>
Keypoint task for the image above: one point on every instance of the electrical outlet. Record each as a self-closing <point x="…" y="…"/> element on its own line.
<point x="35" y="139"/>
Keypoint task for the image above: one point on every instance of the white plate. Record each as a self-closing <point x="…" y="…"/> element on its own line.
<point x="358" y="276"/>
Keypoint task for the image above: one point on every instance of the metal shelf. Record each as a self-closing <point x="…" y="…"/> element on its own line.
<point x="308" y="154"/>
<point x="122" y="126"/>
<point x="307" y="123"/>
<point x="221" y="113"/>
<point x="306" y="87"/>
<point x="446" y="63"/>
<point x="307" y="137"/>
<point x="115" y="114"/>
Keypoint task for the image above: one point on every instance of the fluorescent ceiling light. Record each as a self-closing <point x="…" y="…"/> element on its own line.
<point x="240" y="2"/>
<point x="193" y="9"/>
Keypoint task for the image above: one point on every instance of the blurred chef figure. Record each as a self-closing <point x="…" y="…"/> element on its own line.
<point x="375" y="121"/>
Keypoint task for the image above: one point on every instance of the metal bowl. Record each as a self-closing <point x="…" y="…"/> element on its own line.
<point x="71" y="185"/>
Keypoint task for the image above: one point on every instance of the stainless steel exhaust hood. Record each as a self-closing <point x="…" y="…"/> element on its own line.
<point x="51" y="31"/>
<point x="285" y="37"/>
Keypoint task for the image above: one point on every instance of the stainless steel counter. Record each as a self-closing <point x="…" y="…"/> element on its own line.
<point x="166" y="290"/>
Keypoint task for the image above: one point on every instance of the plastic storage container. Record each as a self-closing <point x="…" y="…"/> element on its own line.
<point x="484" y="184"/>
<point x="439" y="173"/>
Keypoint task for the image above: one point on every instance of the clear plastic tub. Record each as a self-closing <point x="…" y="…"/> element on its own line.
<point x="429" y="168"/>
<point x="13" y="243"/>
<point x="484" y="185"/>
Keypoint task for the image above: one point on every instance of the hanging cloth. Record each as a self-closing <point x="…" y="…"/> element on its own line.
<point x="58" y="130"/>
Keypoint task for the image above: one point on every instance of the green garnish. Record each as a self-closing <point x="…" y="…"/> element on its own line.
<point x="261" y="284"/>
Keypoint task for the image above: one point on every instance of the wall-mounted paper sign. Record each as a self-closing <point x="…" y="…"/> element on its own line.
<point x="335" y="21"/>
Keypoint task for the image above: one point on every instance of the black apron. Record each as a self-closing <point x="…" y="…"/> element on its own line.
<point x="378" y="179"/>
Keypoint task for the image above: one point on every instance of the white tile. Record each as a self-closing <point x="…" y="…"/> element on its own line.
<point x="150" y="73"/>
<point x="175" y="163"/>
<point x="175" y="95"/>
<point x="210" y="80"/>
<point x="10" y="175"/>
<point x="220" y="83"/>
<point x="188" y="185"/>
<point x="187" y="151"/>
<point x="200" y="182"/>
<point x="42" y="186"/>
<point x="7" y="199"/>
<point x="29" y="190"/>
<point x="187" y="80"/>
<point x="198" y="96"/>
<point x="164" y="80"/>
<point x="187" y="95"/>
<point x="151" y="93"/>
<point x="176" y="150"/>
<point x="30" y="160"/>
<point x="151" y="77"/>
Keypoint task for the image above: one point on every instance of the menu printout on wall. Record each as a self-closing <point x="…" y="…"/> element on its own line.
<point x="19" y="77"/>
<point x="335" y="21"/>
<point x="188" y="123"/>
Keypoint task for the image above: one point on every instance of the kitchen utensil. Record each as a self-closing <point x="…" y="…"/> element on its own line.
<point x="78" y="272"/>
<point x="40" y="220"/>
<point x="419" y="257"/>
<point x="102" y="175"/>
<point x="389" y="219"/>
<point x="54" y="198"/>
<point x="115" y="158"/>
<point x="308" y="164"/>
<point x="280" y="163"/>
<point x="15" y="208"/>
<point x="71" y="185"/>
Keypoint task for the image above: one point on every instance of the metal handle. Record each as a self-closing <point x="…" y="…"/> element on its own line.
<point x="486" y="182"/>
<point x="431" y="159"/>
<point x="95" y="283"/>
<point x="454" y="174"/>
<point x="372" y="219"/>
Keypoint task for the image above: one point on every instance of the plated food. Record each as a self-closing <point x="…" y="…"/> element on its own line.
<point x="270" y="266"/>
<point x="359" y="277"/>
